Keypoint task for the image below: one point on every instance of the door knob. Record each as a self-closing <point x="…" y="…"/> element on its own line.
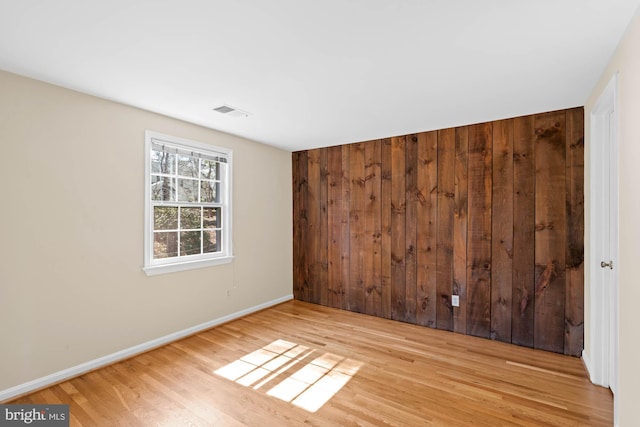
<point x="606" y="264"/>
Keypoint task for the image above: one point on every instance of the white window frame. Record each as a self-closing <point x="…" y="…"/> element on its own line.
<point x="188" y="262"/>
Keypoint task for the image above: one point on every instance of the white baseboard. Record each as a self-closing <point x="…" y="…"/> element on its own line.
<point x="109" y="359"/>
<point x="616" y="400"/>
<point x="587" y="364"/>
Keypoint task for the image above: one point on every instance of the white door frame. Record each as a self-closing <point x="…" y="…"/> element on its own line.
<point x="604" y="240"/>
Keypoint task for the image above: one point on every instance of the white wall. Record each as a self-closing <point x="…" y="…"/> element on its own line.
<point x="626" y="62"/>
<point x="71" y="232"/>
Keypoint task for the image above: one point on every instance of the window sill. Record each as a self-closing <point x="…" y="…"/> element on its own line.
<point x="153" y="270"/>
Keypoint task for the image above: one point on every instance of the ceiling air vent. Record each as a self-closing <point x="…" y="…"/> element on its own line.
<point x="230" y="111"/>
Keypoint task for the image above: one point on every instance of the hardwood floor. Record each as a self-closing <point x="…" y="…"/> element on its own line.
<point x="299" y="363"/>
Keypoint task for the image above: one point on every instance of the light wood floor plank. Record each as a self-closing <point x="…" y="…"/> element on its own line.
<point x="280" y="367"/>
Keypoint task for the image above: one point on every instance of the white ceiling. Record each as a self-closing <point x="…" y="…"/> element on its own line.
<point x="319" y="72"/>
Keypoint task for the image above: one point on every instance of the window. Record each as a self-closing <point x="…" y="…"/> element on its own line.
<point x="187" y="204"/>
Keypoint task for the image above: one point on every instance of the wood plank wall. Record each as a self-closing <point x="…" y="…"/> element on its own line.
<point x="492" y="212"/>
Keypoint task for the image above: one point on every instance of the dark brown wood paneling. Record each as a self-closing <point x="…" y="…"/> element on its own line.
<point x="444" y="233"/>
<point x="385" y="219"/>
<point x="346" y="221"/>
<point x="323" y="263"/>
<point x="550" y="236"/>
<point x="524" y="179"/>
<point x="427" y="195"/>
<point x="368" y="219"/>
<point x="398" y="208"/>
<point x="502" y="231"/>
<point x="479" y="232"/>
<point x="492" y="212"/>
<point x="355" y="299"/>
<point x="299" y="167"/>
<point x="574" y="297"/>
<point x="373" y="235"/>
<point x="335" y="285"/>
<point x="460" y="210"/>
<point x="411" y="200"/>
<point x="313" y="227"/>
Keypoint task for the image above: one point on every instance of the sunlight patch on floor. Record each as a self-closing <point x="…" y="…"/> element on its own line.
<point x="309" y="387"/>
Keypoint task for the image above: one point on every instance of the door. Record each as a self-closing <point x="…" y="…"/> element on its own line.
<point x="604" y="240"/>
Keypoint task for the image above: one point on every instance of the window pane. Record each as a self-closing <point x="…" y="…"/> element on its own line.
<point x="187" y="190"/>
<point x="190" y="218"/>
<point x="163" y="188"/>
<point x="162" y="162"/>
<point x="209" y="192"/>
<point x="212" y="241"/>
<point x="209" y="169"/>
<point x="212" y="218"/>
<point x="188" y="166"/>
<point x="190" y="242"/>
<point x="165" y="218"/>
<point x="187" y="193"/>
<point x="165" y="244"/>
